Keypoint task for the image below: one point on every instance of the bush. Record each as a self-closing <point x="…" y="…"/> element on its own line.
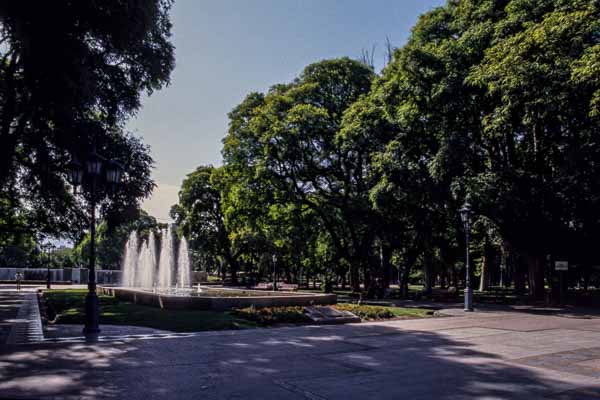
<point x="272" y="315"/>
<point x="370" y="313"/>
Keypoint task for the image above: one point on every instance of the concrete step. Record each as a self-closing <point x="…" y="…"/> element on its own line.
<point x="27" y="326"/>
<point x="330" y="315"/>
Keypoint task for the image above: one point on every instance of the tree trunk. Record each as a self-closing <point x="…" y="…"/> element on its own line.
<point x="233" y="268"/>
<point x="287" y="272"/>
<point x="483" y="278"/>
<point x="535" y="273"/>
<point x="519" y="275"/>
<point x="487" y="259"/>
<point x="354" y="276"/>
<point x="404" y="282"/>
<point x="367" y="281"/>
<point x="411" y="258"/>
<point x="507" y="264"/>
<point x="428" y="271"/>
<point x="503" y="267"/>
<point x="386" y="268"/>
<point x="587" y="272"/>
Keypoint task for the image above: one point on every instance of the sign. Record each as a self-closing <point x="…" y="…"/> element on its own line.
<point x="561" y="265"/>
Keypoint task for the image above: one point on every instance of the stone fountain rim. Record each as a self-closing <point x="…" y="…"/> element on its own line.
<point x="279" y="292"/>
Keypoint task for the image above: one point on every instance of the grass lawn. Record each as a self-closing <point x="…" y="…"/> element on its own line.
<point x="68" y="305"/>
<point x="378" y="313"/>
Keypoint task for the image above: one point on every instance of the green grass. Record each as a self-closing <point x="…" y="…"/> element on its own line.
<point x="377" y="313"/>
<point x="68" y="304"/>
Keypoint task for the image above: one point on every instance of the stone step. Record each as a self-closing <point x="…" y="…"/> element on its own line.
<point x="330" y="315"/>
<point x="27" y="326"/>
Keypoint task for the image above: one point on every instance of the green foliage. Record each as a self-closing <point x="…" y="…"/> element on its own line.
<point x="289" y="177"/>
<point x="201" y="220"/>
<point x="273" y="315"/>
<point x="110" y="241"/>
<point x="343" y="173"/>
<point x="110" y="53"/>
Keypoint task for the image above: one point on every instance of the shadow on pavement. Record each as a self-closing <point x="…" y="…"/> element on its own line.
<point x="325" y="362"/>
<point x="10" y="301"/>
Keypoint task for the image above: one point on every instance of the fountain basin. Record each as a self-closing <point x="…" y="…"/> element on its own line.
<point x="219" y="299"/>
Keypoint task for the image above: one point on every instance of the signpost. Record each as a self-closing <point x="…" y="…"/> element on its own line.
<point x="562" y="267"/>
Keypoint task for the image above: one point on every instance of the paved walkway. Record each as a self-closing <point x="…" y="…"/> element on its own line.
<point x="19" y="315"/>
<point x="10" y="301"/>
<point x="483" y="355"/>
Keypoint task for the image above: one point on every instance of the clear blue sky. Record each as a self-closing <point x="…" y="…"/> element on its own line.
<point x="226" y="49"/>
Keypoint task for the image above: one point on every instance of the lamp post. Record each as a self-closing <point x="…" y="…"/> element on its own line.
<point x="465" y="216"/>
<point x="91" y="175"/>
<point x="47" y="254"/>
<point x="47" y="273"/>
<point x="274" y="272"/>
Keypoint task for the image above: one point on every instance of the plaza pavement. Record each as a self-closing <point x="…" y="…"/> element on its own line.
<point x="484" y="355"/>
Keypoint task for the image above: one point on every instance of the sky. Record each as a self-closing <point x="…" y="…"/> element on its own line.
<point x="226" y="49"/>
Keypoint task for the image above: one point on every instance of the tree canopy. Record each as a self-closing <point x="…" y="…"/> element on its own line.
<point x="351" y="174"/>
<point x="71" y="73"/>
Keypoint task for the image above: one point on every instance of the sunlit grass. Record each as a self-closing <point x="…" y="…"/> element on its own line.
<point x="376" y="313"/>
<point x="69" y="303"/>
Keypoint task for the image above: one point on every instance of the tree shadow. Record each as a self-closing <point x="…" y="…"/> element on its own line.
<point x="9" y="307"/>
<point x="320" y="362"/>
<point x="568" y="311"/>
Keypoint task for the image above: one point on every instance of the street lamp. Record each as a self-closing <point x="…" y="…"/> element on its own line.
<point x="274" y="275"/>
<point x="47" y="254"/>
<point x="114" y="170"/>
<point x="91" y="174"/>
<point x="465" y="216"/>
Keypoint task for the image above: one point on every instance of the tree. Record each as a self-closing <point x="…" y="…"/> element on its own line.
<point x="200" y="217"/>
<point x="289" y="141"/>
<point x="500" y="102"/>
<point x="111" y="237"/>
<point x="349" y="173"/>
<point x="70" y="75"/>
<point x="541" y="131"/>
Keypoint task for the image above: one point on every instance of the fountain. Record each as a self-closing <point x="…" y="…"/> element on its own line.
<point x="166" y="263"/>
<point x="142" y="269"/>
<point x="166" y="281"/>
<point x="130" y="260"/>
<point x="183" y="265"/>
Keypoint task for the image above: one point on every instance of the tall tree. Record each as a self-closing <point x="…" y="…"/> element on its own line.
<point x="291" y="143"/>
<point x="200" y="216"/>
<point x="502" y="103"/>
<point x="70" y="75"/>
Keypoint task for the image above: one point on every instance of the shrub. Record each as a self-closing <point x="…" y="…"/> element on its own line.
<point x="365" y="312"/>
<point x="272" y="315"/>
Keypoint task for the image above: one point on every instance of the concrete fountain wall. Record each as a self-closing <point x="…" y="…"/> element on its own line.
<point x="220" y="299"/>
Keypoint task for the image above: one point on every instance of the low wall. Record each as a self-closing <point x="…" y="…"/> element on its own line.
<point x="199" y="302"/>
<point x="32" y="274"/>
<point x="74" y="275"/>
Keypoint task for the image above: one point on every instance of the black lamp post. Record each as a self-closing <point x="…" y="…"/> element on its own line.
<point x="465" y="216"/>
<point x="47" y="254"/>
<point x="274" y="272"/>
<point x="91" y="175"/>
